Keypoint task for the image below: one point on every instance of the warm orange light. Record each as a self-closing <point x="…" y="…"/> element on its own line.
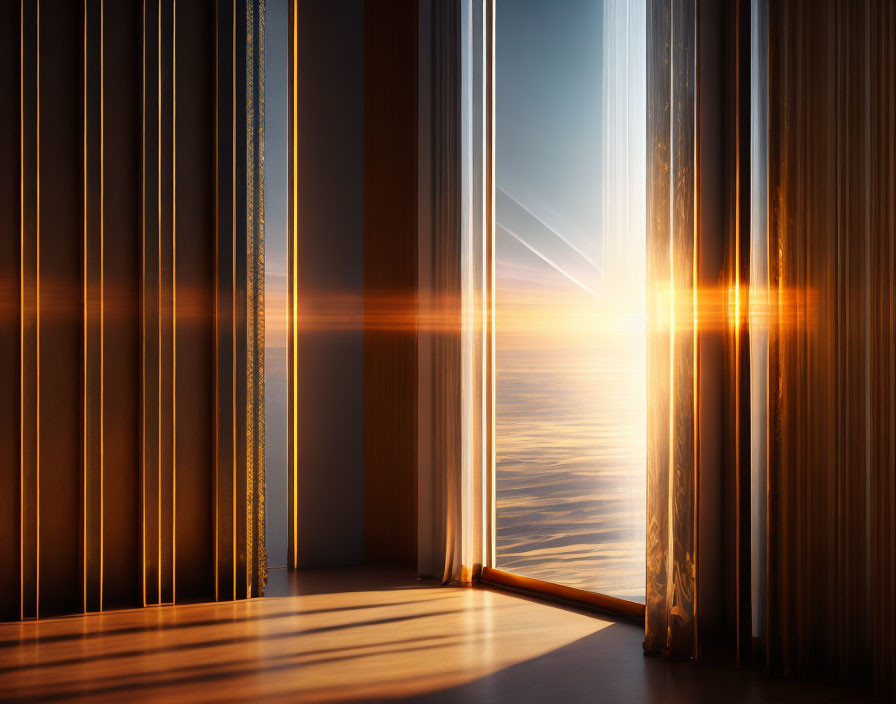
<point x="716" y="308"/>
<point x="725" y="308"/>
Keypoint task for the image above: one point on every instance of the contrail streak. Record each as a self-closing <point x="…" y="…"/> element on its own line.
<point x="551" y="230"/>
<point x="549" y="262"/>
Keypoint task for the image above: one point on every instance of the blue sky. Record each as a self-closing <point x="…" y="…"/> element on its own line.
<point x="549" y="117"/>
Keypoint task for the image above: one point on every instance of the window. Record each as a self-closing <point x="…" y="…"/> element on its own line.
<point x="570" y="423"/>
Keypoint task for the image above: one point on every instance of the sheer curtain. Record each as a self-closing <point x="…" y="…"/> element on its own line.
<point x="825" y="543"/>
<point x="671" y="608"/>
<point x="809" y="164"/>
<point x="455" y="455"/>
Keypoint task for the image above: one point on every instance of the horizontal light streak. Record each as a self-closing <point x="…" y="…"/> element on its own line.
<point x="723" y="308"/>
<point x="554" y="313"/>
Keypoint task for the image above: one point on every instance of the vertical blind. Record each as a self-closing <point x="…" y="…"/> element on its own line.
<point x="131" y="229"/>
<point x="826" y="582"/>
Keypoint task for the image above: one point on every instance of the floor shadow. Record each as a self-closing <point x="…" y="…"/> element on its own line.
<point x="16" y="642"/>
<point x="282" y="584"/>
<point x="236" y="640"/>
<point x="253" y="638"/>
<point x="216" y="676"/>
<point x="339" y="580"/>
<point x="608" y="666"/>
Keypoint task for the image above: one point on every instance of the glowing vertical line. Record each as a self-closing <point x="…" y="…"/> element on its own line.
<point x="295" y="293"/>
<point x="143" y="316"/>
<point x="37" y="338"/>
<point x="491" y="282"/>
<point x="173" y="299"/>
<point x="159" y="296"/>
<point x="102" y="290"/>
<point x="468" y="289"/>
<point x="671" y="470"/>
<point x="85" y="299"/>
<point x="482" y="292"/>
<point x="217" y="272"/>
<point x="21" y="309"/>
<point x="233" y="409"/>
<point x="695" y="362"/>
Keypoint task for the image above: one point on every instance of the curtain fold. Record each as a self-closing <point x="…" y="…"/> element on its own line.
<point x="457" y="511"/>
<point x="671" y="608"/>
<point x="828" y="522"/>
<point x="810" y="167"/>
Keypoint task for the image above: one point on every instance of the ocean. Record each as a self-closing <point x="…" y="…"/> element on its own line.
<point x="571" y="458"/>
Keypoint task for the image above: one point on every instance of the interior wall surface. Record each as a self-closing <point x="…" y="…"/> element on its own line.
<point x="328" y="217"/>
<point x="390" y="282"/>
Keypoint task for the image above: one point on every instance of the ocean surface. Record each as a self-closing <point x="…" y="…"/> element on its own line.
<point x="570" y="475"/>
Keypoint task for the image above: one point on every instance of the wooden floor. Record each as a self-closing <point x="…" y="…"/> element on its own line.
<point x="348" y="635"/>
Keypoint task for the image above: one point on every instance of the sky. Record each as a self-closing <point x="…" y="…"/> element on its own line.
<point x="549" y="121"/>
<point x="570" y="81"/>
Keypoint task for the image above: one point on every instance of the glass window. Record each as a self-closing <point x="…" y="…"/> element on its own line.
<point x="570" y="129"/>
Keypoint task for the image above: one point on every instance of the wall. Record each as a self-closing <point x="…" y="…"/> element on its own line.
<point x="330" y="267"/>
<point x="390" y="282"/>
<point x="353" y="257"/>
